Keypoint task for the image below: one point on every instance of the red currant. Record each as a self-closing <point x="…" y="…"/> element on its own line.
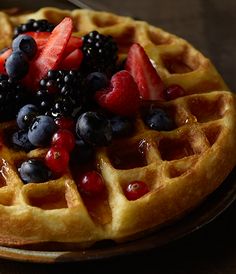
<point x="135" y="190"/>
<point x="57" y="159"/>
<point x="173" y="92"/>
<point x="91" y="183"/>
<point x="65" y="123"/>
<point x="64" y="138"/>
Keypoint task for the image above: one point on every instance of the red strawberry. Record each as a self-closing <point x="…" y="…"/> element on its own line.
<point x="122" y="96"/>
<point x="42" y="37"/>
<point x="73" y="44"/>
<point x="3" y="58"/>
<point x="51" y="55"/>
<point x="149" y="82"/>
<point x="73" y="60"/>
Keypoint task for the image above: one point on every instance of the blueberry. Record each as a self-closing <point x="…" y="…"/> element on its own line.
<point x="34" y="171"/>
<point x="96" y="81"/>
<point x="19" y="140"/>
<point x="41" y="130"/>
<point x="94" y="128"/>
<point x="158" y="119"/>
<point x="26" y="115"/>
<point x="26" y="44"/>
<point x="17" y="65"/>
<point x="121" y="126"/>
<point x="82" y="152"/>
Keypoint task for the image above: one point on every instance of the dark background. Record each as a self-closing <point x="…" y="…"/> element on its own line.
<point x="210" y="25"/>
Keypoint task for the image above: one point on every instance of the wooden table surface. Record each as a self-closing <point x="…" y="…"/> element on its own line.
<point x="210" y="25"/>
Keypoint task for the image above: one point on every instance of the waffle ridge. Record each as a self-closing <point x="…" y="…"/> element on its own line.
<point x="181" y="167"/>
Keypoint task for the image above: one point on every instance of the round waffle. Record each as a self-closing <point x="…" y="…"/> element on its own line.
<point x="181" y="167"/>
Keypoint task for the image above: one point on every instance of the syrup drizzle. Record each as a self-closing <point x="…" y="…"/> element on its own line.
<point x="130" y="157"/>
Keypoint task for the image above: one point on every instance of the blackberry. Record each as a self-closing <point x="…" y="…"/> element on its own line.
<point x="60" y="93"/>
<point x="62" y="107"/>
<point x="12" y="98"/>
<point x="43" y="100"/>
<point x="34" y="25"/>
<point x="100" y="53"/>
<point x="64" y="82"/>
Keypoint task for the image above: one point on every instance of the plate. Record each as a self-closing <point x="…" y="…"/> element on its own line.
<point x="212" y="207"/>
<point x="215" y="204"/>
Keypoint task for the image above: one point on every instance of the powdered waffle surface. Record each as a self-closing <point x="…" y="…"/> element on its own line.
<point x="181" y="167"/>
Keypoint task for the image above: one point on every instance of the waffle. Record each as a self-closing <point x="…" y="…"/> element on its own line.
<point x="181" y="167"/>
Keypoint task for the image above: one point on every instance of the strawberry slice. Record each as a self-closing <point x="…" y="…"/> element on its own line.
<point x="73" y="44"/>
<point x="3" y="58"/>
<point x="42" y="37"/>
<point x="150" y="85"/>
<point x="51" y="55"/>
<point x="72" y="61"/>
<point x="122" y="96"/>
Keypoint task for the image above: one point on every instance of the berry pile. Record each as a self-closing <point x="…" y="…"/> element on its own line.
<point x="69" y="95"/>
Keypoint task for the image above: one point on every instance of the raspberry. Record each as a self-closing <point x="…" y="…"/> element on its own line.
<point x="122" y="96"/>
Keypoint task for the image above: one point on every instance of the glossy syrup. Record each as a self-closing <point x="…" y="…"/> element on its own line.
<point x="129" y="157"/>
<point x="174" y="149"/>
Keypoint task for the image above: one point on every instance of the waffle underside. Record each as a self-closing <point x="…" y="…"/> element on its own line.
<point x="181" y="167"/>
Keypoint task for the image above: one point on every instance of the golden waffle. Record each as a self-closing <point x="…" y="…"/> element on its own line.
<point x="181" y="167"/>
